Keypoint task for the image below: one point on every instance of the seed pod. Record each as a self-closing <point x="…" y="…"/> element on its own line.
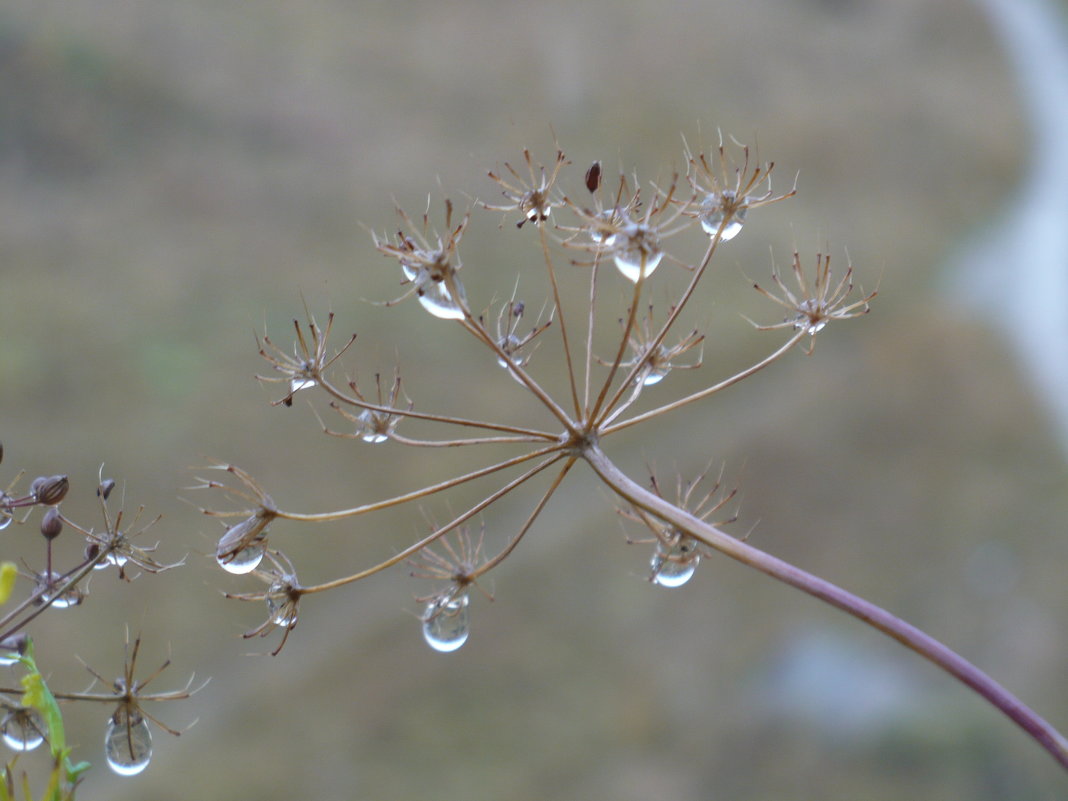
<point x="49" y="490"/>
<point x="105" y="488"/>
<point x="51" y="524"/>
<point x="593" y="176"/>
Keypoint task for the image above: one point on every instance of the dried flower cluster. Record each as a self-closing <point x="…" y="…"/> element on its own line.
<point x="629" y="227"/>
<point x="622" y="224"/>
<point x="30" y="715"/>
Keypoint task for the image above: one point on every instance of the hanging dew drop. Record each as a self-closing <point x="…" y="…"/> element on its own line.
<point x="47" y="584"/>
<point x="22" y="729"/>
<point x="373" y="426"/>
<point x="243" y="561"/>
<point x="436" y="299"/>
<point x="5" y="520"/>
<point x="297" y="384"/>
<point x="446" y="622"/>
<point x="654" y="375"/>
<point x="127" y="743"/>
<point x="674" y="564"/>
<point x="712" y="219"/>
<point x="636" y="256"/>
<point x="279" y="609"/>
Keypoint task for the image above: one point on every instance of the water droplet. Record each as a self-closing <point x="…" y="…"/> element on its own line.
<point x="446" y="622"/>
<point x="243" y="561"/>
<point x="375" y="426"/>
<point x="810" y="320"/>
<point x="634" y="249"/>
<point x="674" y="564"/>
<point x="5" y="519"/>
<point x="127" y="743"/>
<point x="281" y="611"/>
<point x="8" y="658"/>
<point x="48" y="584"/>
<point x="22" y="729"/>
<point x="297" y="384"/>
<point x="436" y="299"/>
<point x="713" y="218"/>
<point x="654" y="375"/>
<point x="113" y="559"/>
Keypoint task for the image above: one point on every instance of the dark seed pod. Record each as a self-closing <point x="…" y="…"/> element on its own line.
<point x="1" y="451"/>
<point x="49" y="490"/>
<point x="92" y="550"/>
<point x="105" y="488"/>
<point x="51" y="524"/>
<point x="593" y="176"/>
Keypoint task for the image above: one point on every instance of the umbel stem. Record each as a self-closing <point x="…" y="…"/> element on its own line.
<point x="876" y="617"/>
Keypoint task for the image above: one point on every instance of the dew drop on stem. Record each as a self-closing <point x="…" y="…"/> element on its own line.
<point x="22" y="729"/>
<point x="674" y="563"/>
<point x="446" y="622"/>
<point x="127" y="743"/>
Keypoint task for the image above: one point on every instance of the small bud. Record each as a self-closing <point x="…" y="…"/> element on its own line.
<point x="51" y="524"/>
<point x="593" y="177"/>
<point x="105" y="488"/>
<point x="49" y="490"/>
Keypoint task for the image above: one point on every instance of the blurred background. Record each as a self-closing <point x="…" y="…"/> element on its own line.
<point x="176" y="177"/>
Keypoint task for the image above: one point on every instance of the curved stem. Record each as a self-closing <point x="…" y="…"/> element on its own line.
<point x="908" y="635"/>
<point x="396" y="500"/>
<point x="704" y="393"/>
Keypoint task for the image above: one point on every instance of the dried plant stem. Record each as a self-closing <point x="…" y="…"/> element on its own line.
<point x="321" y="517"/>
<point x="543" y="237"/>
<point x="704" y="393"/>
<point x="441" y="531"/>
<point x="908" y="635"/>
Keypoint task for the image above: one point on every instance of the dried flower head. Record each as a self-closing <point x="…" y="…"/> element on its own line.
<point x="721" y="202"/>
<point x="305" y="367"/>
<point x="430" y="263"/>
<point x="816" y="302"/>
<point x="282" y="596"/>
<point x="534" y="197"/>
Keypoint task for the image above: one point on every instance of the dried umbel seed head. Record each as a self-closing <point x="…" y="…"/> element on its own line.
<point x="51" y="524"/>
<point x="49" y="490"/>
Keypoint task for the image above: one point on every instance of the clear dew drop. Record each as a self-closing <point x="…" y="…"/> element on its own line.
<point x="297" y="384"/>
<point x="128" y="748"/>
<point x="280" y="611"/>
<point x="72" y="597"/>
<point x="629" y="259"/>
<point x="5" y="520"/>
<point x="111" y="560"/>
<point x="23" y="729"/>
<point x="654" y="375"/>
<point x="244" y="561"/>
<point x="373" y="426"/>
<point x="436" y="299"/>
<point x="674" y="564"/>
<point x="711" y="221"/>
<point x="446" y="623"/>
<point x="8" y="658"/>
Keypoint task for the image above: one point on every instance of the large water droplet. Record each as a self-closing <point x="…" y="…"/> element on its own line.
<point x="374" y="426"/>
<point x="436" y="299"/>
<point x="243" y="561"/>
<point x="674" y="564"/>
<point x="281" y="611"/>
<point x="47" y="584"/>
<point x="22" y="729"/>
<point x="5" y="519"/>
<point x="712" y="219"/>
<point x="127" y="743"/>
<point x="297" y="384"/>
<point x="654" y="374"/>
<point x="113" y="559"/>
<point x="632" y="257"/>
<point x="446" y="622"/>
